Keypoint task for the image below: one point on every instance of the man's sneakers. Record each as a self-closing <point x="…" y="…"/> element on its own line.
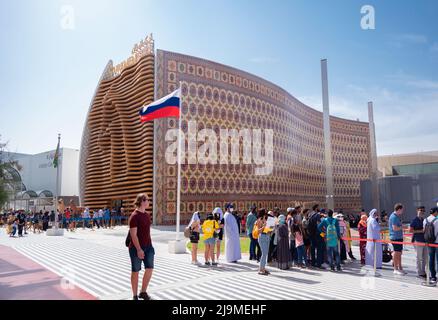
<point x="144" y="296"/>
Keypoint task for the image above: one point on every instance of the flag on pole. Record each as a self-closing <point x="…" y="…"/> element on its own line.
<point x="165" y="107"/>
<point x="56" y="158"/>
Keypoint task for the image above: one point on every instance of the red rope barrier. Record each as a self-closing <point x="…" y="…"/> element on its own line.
<point x="421" y="244"/>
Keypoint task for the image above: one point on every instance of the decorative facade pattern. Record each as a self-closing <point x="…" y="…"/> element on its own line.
<point x="121" y="157"/>
<point x="217" y="96"/>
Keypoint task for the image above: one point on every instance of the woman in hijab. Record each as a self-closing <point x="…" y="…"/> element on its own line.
<point x="362" y="228"/>
<point x="282" y="237"/>
<point x="195" y="225"/>
<point x="373" y="232"/>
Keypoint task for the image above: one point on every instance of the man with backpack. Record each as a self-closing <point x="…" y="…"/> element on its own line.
<point x="330" y="226"/>
<point x="417" y="230"/>
<point x="316" y="241"/>
<point x="431" y="237"/>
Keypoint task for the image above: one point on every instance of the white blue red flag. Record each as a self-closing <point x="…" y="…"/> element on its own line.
<point x="165" y="107"/>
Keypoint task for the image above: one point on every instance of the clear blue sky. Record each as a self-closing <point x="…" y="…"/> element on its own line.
<point x="48" y="74"/>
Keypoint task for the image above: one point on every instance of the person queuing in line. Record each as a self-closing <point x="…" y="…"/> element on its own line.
<point x="106" y="218"/>
<point x="140" y="246"/>
<point x="362" y="228"/>
<point x="254" y="248"/>
<point x="85" y="217"/>
<point x="284" y="260"/>
<point x="396" y="234"/>
<point x="306" y="237"/>
<point x="343" y="232"/>
<point x="21" y="223"/>
<point x="232" y="236"/>
<point x="417" y="230"/>
<point x="297" y="229"/>
<point x="219" y="217"/>
<point x="373" y="233"/>
<point x="14" y="226"/>
<point x="264" y="239"/>
<point x="99" y="218"/>
<point x="46" y="219"/>
<point x="195" y="226"/>
<point x="348" y="235"/>
<point x="68" y="219"/>
<point x="291" y="219"/>
<point x="272" y="253"/>
<point x="432" y="222"/>
<point x="36" y="221"/>
<point x="330" y="227"/>
<point x="317" y="242"/>
<point x="209" y="228"/>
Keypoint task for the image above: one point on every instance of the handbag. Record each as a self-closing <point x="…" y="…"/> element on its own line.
<point x="128" y="240"/>
<point x="255" y="231"/>
<point x="187" y="232"/>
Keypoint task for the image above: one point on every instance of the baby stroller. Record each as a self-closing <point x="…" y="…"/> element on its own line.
<point x="386" y="253"/>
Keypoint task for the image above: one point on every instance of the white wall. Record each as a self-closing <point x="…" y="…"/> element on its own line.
<point x="38" y="172"/>
<point x="70" y="172"/>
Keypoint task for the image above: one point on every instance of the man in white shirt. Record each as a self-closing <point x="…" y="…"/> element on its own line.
<point x="85" y="217"/>
<point x="433" y="252"/>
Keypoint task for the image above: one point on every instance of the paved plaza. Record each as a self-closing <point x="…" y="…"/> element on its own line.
<point x="95" y="264"/>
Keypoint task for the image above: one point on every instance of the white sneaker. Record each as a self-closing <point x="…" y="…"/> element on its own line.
<point x="399" y="273"/>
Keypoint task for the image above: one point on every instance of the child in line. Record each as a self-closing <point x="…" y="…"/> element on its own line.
<point x="299" y="244"/>
<point x="209" y="228"/>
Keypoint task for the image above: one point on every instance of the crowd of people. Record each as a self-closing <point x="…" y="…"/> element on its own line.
<point x="301" y="238"/>
<point x="314" y="238"/>
<point x="20" y="222"/>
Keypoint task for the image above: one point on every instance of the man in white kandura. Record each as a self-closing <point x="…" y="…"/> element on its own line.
<point x="232" y="238"/>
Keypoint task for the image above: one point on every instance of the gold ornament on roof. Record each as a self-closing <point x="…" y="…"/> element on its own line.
<point x="141" y="49"/>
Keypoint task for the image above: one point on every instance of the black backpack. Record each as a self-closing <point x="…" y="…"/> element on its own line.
<point x="429" y="231"/>
<point x="313" y="224"/>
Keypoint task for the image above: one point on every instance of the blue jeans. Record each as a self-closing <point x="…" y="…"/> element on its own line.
<point x="301" y="252"/>
<point x="148" y="260"/>
<point x="433" y="257"/>
<point x="264" y="240"/>
<point x="335" y="251"/>
<point x="293" y="251"/>
<point x="253" y="245"/>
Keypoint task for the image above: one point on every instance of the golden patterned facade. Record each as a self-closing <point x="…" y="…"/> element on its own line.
<point x="118" y="165"/>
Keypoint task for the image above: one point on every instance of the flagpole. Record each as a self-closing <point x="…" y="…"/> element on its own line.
<point x="57" y="183"/>
<point x="55" y="231"/>
<point x="178" y="192"/>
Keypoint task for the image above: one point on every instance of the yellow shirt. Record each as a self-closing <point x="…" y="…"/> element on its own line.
<point x="208" y="228"/>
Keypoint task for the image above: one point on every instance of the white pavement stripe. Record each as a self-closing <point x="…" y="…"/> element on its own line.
<point x="61" y="264"/>
<point x="87" y="268"/>
<point x="259" y="289"/>
<point x="95" y="291"/>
